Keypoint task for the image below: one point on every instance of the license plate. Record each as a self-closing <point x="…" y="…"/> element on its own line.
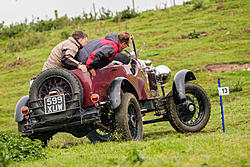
<point x="54" y="104"/>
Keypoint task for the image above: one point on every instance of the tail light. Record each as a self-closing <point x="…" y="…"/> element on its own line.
<point x="25" y="110"/>
<point x="94" y="98"/>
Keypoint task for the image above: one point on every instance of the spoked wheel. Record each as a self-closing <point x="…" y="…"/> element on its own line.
<point x="58" y="84"/>
<point x="128" y="118"/>
<point x="56" y="81"/>
<point x="192" y="115"/>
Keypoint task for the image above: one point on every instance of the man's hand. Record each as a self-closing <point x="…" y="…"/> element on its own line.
<point x="82" y="67"/>
<point x="92" y="72"/>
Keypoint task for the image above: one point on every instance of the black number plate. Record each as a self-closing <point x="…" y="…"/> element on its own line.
<point x="54" y="104"/>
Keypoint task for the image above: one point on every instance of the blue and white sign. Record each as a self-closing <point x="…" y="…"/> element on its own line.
<point x="223" y="91"/>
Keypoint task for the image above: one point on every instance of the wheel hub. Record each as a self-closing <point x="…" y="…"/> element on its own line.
<point x="191" y="107"/>
<point x="187" y="110"/>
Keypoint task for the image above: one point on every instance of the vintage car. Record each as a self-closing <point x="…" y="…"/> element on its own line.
<point x="110" y="105"/>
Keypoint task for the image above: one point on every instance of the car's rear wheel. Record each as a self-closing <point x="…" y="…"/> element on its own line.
<point x="193" y="115"/>
<point x="128" y="119"/>
<point x="58" y="81"/>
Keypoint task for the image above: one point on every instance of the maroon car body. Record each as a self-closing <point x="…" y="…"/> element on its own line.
<point x="99" y="83"/>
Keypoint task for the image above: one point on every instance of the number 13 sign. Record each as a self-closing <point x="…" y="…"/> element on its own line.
<point x="223" y="91"/>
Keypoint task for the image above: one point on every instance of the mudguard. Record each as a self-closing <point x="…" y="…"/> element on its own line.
<point x="114" y="90"/>
<point x="22" y="102"/>
<point x="180" y="79"/>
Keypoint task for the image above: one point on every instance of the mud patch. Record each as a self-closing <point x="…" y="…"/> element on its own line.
<point x="19" y="61"/>
<point x="219" y="7"/>
<point x="194" y="34"/>
<point x="247" y="30"/>
<point x="220" y="29"/>
<point x="162" y="45"/>
<point x="226" y="67"/>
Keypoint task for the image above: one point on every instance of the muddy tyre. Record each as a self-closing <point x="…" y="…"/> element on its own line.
<point x="62" y="81"/>
<point x="183" y="120"/>
<point x="129" y="125"/>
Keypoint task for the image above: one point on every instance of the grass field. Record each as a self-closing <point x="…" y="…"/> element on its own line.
<point x="226" y="40"/>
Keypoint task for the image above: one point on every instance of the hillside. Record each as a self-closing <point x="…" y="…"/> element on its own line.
<point x="224" y="38"/>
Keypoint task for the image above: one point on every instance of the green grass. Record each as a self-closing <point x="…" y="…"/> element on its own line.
<point x="159" y="148"/>
<point x="226" y="42"/>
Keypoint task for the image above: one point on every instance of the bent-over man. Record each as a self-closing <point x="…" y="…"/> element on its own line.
<point x="100" y="52"/>
<point x="63" y="55"/>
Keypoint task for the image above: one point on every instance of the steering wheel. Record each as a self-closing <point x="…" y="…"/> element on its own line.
<point x="130" y="64"/>
<point x="129" y="55"/>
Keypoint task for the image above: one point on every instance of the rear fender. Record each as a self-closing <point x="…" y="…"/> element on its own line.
<point x="22" y="102"/>
<point x="114" y="90"/>
<point x="180" y="79"/>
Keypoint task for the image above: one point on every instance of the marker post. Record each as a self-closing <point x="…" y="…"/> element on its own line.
<point x="222" y="91"/>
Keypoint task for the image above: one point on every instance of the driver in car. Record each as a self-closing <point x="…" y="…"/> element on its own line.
<point x="100" y="52"/>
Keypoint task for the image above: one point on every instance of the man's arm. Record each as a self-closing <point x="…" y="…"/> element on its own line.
<point x="68" y="61"/>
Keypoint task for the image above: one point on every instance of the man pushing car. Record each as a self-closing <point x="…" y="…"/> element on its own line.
<point x="100" y="52"/>
<point x="63" y="55"/>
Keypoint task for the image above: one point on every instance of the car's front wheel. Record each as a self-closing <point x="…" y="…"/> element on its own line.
<point x="193" y="115"/>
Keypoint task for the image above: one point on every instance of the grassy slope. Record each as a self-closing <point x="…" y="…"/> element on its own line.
<point x="162" y="146"/>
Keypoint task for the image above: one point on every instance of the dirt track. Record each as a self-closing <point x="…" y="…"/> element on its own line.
<point x="224" y="67"/>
